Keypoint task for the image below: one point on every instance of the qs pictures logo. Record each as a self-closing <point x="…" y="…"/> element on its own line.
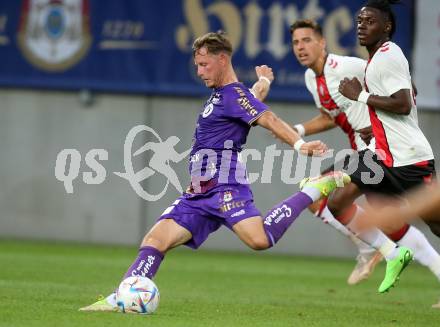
<point x="68" y="162"/>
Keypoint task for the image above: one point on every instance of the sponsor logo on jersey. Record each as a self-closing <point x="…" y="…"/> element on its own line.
<point x="231" y="205"/>
<point x="246" y="105"/>
<point x="239" y="213"/>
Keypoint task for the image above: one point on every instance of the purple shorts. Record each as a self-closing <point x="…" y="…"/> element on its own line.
<point x="203" y="214"/>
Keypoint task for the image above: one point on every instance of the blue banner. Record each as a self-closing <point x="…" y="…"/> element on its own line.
<point x="144" y="46"/>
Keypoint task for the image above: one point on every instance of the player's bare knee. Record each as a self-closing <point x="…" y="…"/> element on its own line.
<point x="258" y="243"/>
<point x="155" y="242"/>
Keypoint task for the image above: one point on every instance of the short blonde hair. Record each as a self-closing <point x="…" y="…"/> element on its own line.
<point x="214" y="42"/>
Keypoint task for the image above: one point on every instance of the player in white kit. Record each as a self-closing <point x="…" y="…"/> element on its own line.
<point x="402" y="151"/>
<point x="323" y="76"/>
<point x="325" y="70"/>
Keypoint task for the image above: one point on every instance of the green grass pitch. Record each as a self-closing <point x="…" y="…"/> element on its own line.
<point x="44" y="284"/>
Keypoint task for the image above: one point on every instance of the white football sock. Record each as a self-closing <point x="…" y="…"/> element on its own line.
<point x="378" y="240"/>
<point x="424" y="253"/>
<point x="328" y="218"/>
<point x="312" y="192"/>
<point x="363" y="247"/>
<point x="375" y="238"/>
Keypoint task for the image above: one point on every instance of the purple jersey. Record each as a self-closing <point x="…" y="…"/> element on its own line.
<point x="221" y="131"/>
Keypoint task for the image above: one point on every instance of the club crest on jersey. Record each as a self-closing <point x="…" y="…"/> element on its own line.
<point x="227" y="196"/>
<point x="208" y="110"/>
<point x="54" y="35"/>
<point x="216" y="98"/>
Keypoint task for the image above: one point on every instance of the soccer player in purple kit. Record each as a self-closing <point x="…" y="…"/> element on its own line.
<point x="219" y="193"/>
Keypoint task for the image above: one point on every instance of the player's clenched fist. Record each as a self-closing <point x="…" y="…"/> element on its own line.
<point x="350" y="88"/>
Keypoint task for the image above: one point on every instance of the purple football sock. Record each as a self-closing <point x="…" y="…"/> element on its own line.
<point x="280" y="217"/>
<point x="146" y="264"/>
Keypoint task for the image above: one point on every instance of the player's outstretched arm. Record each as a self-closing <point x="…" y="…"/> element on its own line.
<point x="398" y="103"/>
<point x="283" y="131"/>
<point x="261" y="87"/>
<point x="317" y="124"/>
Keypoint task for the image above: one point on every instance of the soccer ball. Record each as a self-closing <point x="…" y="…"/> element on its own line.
<point x="137" y="294"/>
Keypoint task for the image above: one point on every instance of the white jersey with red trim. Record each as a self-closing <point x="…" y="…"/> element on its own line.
<point x="349" y="115"/>
<point x="398" y="137"/>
